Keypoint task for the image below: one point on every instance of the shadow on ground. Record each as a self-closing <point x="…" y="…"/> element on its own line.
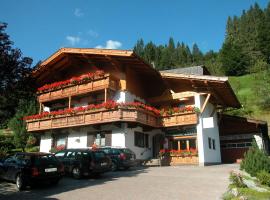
<point x="44" y="192"/>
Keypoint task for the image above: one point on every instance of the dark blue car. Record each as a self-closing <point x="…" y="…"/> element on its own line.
<point x="27" y="169"/>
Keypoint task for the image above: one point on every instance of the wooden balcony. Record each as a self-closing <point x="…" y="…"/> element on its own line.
<point x="180" y="119"/>
<point x="94" y="117"/>
<point x="106" y="82"/>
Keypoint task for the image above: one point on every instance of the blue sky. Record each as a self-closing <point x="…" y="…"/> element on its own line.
<point x="39" y="28"/>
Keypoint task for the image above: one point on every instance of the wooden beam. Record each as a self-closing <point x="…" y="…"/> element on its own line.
<point x="69" y="102"/>
<point x="172" y="96"/>
<point x="205" y="102"/>
<point x="105" y="95"/>
<point x="40" y="107"/>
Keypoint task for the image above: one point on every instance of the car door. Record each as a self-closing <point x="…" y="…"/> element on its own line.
<point x="10" y="167"/>
<point x="69" y="160"/>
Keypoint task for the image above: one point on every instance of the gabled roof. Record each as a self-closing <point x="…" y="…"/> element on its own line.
<point x="67" y="58"/>
<point x="196" y="70"/>
<point x="219" y="87"/>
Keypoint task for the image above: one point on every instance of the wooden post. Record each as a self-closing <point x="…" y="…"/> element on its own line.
<point x="179" y="146"/>
<point x="187" y="144"/>
<point x="205" y="102"/>
<point x="40" y="108"/>
<point x="105" y="95"/>
<point x="69" y="102"/>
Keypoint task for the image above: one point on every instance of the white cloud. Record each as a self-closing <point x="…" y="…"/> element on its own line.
<point x="73" y="40"/>
<point x="110" y="44"/>
<point x="78" y="12"/>
<point x="92" y="33"/>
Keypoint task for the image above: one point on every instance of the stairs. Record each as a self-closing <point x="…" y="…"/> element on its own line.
<point x="154" y="162"/>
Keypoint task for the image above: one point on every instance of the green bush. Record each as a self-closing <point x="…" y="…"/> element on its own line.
<point x="264" y="177"/>
<point x="33" y="149"/>
<point x="3" y="152"/>
<point x="255" y="160"/>
<point x="237" y="180"/>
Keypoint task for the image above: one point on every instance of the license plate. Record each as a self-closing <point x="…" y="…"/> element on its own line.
<point x="51" y="170"/>
<point x="103" y="164"/>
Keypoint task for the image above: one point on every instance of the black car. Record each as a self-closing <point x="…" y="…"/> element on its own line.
<point x="121" y="157"/>
<point x="28" y="169"/>
<point x="84" y="162"/>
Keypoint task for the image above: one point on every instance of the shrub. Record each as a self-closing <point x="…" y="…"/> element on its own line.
<point x="237" y="180"/>
<point x="33" y="149"/>
<point x="255" y="160"/>
<point x="3" y="153"/>
<point x="263" y="177"/>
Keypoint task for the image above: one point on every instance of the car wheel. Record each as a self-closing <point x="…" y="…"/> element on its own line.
<point x="19" y="182"/>
<point x="76" y="172"/>
<point x="114" y="166"/>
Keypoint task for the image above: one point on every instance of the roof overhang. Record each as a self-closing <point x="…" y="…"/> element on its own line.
<point x="230" y="125"/>
<point x="66" y="58"/>
<point x="219" y="87"/>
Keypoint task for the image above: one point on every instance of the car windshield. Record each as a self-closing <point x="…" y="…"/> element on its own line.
<point x="45" y="159"/>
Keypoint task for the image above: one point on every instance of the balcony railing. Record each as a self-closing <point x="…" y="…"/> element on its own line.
<point x="179" y="119"/>
<point x="94" y="117"/>
<point x="100" y="83"/>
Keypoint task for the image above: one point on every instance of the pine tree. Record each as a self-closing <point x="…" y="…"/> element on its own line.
<point x="15" y="82"/>
<point x="197" y="55"/>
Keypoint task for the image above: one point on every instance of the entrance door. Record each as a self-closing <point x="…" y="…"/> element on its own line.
<point x="158" y="141"/>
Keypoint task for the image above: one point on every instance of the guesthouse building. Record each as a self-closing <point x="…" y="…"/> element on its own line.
<point x="114" y="98"/>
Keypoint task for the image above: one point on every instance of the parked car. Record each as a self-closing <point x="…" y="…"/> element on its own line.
<point x="27" y="169"/>
<point x="84" y="162"/>
<point x="121" y="157"/>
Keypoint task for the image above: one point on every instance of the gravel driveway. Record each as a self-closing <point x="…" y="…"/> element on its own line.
<point x="182" y="182"/>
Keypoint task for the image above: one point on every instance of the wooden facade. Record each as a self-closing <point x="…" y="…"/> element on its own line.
<point x="101" y="83"/>
<point x="105" y="116"/>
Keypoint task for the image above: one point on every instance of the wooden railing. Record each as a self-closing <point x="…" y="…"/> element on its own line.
<point x="73" y="90"/>
<point x="180" y="119"/>
<point x="95" y="117"/>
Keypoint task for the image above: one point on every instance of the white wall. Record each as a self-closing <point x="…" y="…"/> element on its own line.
<point x="207" y="128"/>
<point x="259" y="141"/>
<point x="125" y="96"/>
<point x="118" y="138"/>
<point x="77" y="139"/>
<point x="45" y="143"/>
<point x="141" y="153"/>
<point x="124" y="137"/>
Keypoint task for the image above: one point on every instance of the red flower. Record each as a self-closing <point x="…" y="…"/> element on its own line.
<point x="74" y="80"/>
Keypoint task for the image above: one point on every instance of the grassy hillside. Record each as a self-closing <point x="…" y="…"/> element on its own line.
<point x="244" y="87"/>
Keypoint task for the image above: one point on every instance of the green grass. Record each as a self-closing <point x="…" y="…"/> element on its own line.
<point x="245" y="90"/>
<point x="254" y="195"/>
<point x="247" y="192"/>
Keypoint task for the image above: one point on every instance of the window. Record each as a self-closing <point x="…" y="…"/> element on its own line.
<point x="209" y="143"/>
<point x="146" y="140"/>
<point x="214" y="144"/>
<point x="141" y="140"/>
<point x="192" y="144"/>
<point x="60" y="154"/>
<point x="100" y="139"/>
<point x="175" y="144"/>
<point x="183" y="144"/>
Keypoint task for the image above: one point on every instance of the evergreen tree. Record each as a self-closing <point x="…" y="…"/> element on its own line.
<point x="15" y="82"/>
<point x="139" y="48"/>
<point x="234" y="61"/>
<point x="264" y="34"/>
<point x="18" y="125"/>
<point x="197" y="55"/>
